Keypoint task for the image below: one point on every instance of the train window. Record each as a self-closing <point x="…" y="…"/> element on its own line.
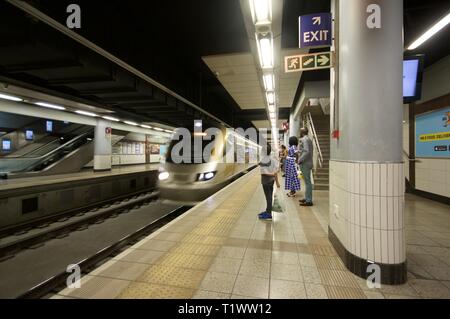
<point x="30" y="205"/>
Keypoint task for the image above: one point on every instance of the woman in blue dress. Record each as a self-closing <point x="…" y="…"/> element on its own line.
<point x="291" y="183"/>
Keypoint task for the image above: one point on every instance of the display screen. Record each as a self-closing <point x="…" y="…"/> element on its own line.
<point x="412" y="78"/>
<point x="49" y="126"/>
<point x="29" y="134"/>
<point x="6" y="145"/>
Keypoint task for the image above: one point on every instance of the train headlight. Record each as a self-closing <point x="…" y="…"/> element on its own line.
<point x="163" y="176"/>
<point x="206" y="176"/>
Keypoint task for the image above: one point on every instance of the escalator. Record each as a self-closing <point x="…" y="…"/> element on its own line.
<point x="65" y="155"/>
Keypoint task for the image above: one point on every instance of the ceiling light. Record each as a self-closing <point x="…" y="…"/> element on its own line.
<point x="130" y="123"/>
<point x="86" y="113"/>
<point x="146" y="126"/>
<point x="109" y="118"/>
<point x="10" y="97"/>
<point x="168" y="131"/>
<point x="272" y="107"/>
<point x="51" y="106"/>
<point x="265" y="51"/>
<point x="269" y="82"/>
<point x="261" y="11"/>
<point x="270" y="98"/>
<point x="430" y="32"/>
<point x="198" y="123"/>
<point x="158" y="129"/>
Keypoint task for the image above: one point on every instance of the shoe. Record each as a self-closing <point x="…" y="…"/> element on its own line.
<point x="291" y="194"/>
<point x="302" y="200"/>
<point x="306" y="204"/>
<point x="265" y="216"/>
<point x="261" y="214"/>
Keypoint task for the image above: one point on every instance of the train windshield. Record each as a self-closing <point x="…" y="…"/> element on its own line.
<point x="196" y="150"/>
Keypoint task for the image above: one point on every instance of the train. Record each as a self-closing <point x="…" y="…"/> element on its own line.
<point x="194" y="179"/>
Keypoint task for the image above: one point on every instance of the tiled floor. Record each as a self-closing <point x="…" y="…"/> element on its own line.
<point x="221" y="250"/>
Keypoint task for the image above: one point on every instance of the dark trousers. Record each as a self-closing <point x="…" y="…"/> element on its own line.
<point x="268" y="191"/>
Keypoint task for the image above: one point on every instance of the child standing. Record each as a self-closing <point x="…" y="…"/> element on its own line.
<point x="269" y="175"/>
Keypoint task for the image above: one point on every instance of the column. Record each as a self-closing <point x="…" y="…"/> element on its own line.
<point x="102" y="146"/>
<point x="294" y="127"/>
<point x="366" y="169"/>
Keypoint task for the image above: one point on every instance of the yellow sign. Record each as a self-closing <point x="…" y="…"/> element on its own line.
<point x="434" y="137"/>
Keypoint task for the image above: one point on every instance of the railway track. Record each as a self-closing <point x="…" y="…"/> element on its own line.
<point x="45" y="241"/>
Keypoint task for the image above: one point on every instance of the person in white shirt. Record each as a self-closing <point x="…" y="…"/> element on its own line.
<point x="269" y="175"/>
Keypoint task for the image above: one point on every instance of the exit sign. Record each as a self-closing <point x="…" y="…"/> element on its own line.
<point x="315" y="30"/>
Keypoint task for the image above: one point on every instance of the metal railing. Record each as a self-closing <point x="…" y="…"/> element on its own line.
<point x="309" y="124"/>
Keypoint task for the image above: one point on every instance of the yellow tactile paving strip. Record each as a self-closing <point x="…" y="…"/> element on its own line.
<point x="181" y="271"/>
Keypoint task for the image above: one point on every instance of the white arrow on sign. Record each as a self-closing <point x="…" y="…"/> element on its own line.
<point x="323" y="60"/>
<point x="317" y="20"/>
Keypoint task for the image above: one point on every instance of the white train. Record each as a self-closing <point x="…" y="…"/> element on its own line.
<point x="195" y="179"/>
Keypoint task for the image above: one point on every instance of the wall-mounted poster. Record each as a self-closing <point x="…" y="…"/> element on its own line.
<point x="433" y="134"/>
<point x="154" y="149"/>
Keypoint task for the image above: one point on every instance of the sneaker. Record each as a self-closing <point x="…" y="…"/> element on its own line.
<point x="261" y="214"/>
<point x="306" y="204"/>
<point x="302" y="200"/>
<point x="265" y="216"/>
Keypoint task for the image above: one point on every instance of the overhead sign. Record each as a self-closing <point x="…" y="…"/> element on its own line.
<point x="308" y="62"/>
<point x="315" y="30"/>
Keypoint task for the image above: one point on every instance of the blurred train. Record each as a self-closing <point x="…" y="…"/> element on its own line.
<point x="198" y="176"/>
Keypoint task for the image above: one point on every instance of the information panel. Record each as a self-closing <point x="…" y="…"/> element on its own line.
<point x="433" y="134"/>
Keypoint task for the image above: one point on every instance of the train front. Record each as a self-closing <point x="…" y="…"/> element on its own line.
<point x="191" y="171"/>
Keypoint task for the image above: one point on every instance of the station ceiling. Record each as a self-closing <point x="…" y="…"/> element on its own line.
<point x="166" y="40"/>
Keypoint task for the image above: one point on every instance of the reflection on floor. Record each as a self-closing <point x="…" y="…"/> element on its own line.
<point x="221" y="250"/>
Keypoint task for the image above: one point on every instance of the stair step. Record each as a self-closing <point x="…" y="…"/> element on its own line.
<point x="319" y="187"/>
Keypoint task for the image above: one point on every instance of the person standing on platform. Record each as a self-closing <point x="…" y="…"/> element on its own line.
<point x="283" y="156"/>
<point x="306" y="164"/>
<point x="269" y="175"/>
<point x="291" y="183"/>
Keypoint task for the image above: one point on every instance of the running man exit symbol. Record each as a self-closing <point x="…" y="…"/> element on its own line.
<point x="292" y="63"/>
<point x="315" y="30"/>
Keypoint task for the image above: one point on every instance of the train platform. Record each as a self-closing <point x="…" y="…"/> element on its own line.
<point x="7" y="185"/>
<point x="219" y="249"/>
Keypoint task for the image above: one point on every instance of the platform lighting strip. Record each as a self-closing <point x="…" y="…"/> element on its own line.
<point x="431" y="32"/>
<point x="261" y="11"/>
<point x="10" y="98"/>
<point x="81" y="112"/>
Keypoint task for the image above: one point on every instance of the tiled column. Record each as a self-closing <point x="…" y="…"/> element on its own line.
<point x="366" y="169"/>
<point x="102" y="146"/>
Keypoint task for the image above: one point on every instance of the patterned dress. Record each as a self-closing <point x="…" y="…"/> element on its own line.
<point x="291" y="182"/>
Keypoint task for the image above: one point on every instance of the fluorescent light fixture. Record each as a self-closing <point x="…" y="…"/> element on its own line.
<point x="269" y="82"/>
<point x="109" y="118"/>
<point x="270" y="97"/>
<point x="86" y="113"/>
<point x="145" y="126"/>
<point x="430" y="32"/>
<point x="265" y="51"/>
<point x="130" y="123"/>
<point x="198" y="123"/>
<point x="51" y="106"/>
<point x="10" y="97"/>
<point x="272" y="108"/>
<point x="158" y="129"/>
<point x="167" y="131"/>
<point x="261" y="11"/>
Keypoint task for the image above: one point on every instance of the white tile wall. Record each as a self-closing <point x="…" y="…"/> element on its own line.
<point x="433" y="176"/>
<point x="370" y="201"/>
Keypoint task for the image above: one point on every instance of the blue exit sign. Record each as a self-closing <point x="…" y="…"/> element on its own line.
<point x="315" y="30"/>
